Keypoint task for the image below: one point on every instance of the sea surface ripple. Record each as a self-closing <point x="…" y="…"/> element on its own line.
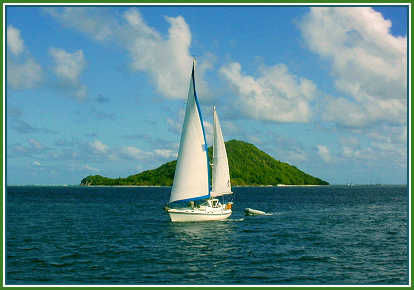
<point x="331" y="235"/>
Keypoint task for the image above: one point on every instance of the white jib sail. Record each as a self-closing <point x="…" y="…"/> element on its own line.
<point x="221" y="177"/>
<point x="191" y="172"/>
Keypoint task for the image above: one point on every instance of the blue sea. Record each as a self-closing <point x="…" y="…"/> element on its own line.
<point x="329" y="235"/>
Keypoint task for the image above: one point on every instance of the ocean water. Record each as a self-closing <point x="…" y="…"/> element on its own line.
<point x="105" y="235"/>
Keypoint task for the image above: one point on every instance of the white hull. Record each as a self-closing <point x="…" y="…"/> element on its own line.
<point x="189" y="215"/>
<point x="250" y="211"/>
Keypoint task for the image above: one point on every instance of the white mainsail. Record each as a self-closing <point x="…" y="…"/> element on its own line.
<point x="191" y="179"/>
<point x="221" y="177"/>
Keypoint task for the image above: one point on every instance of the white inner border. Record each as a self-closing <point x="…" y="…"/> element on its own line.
<point x="408" y="4"/>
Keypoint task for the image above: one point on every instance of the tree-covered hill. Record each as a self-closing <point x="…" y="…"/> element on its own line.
<point x="248" y="166"/>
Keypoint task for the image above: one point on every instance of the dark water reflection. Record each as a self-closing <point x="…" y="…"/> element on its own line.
<point x="315" y="235"/>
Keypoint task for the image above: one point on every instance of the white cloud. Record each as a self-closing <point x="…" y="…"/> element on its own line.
<point x="165" y="153"/>
<point x="175" y="126"/>
<point x="324" y="153"/>
<point x="275" y="96"/>
<point x="23" y="72"/>
<point x="390" y="143"/>
<point x="133" y="152"/>
<point x="90" y="168"/>
<point x="36" y="163"/>
<point x="384" y="144"/>
<point x="166" y="59"/>
<point x="281" y="148"/>
<point x="83" y="152"/>
<point x="367" y="62"/>
<point x="368" y="66"/>
<point x="208" y="129"/>
<point x="68" y="67"/>
<point x="15" y="42"/>
<point x="98" y="147"/>
<point x="100" y="26"/>
<point x="294" y="156"/>
<point x="29" y="149"/>
<point x="36" y="144"/>
<point x="24" y="75"/>
<point x="359" y="153"/>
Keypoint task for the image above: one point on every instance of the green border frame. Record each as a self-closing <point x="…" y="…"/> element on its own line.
<point x="209" y="2"/>
<point x="276" y="2"/>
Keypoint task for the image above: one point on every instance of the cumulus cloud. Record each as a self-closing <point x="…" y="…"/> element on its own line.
<point x="36" y="163"/>
<point x="208" y="129"/>
<point x="294" y="155"/>
<point x="166" y="59"/>
<point x="324" y="153"/>
<point x="15" y="43"/>
<point x="387" y="144"/>
<point x="82" y="151"/>
<point x="367" y="62"/>
<point x="166" y="153"/>
<point x="282" y="148"/>
<point x="23" y="75"/>
<point x="132" y="152"/>
<point x="391" y="142"/>
<point x="100" y="26"/>
<point x="98" y="147"/>
<point x="32" y="147"/>
<point x="90" y="168"/>
<point x="68" y="67"/>
<point x="96" y="152"/>
<point x="23" y="72"/>
<point x="36" y="144"/>
<point x="359" y="153"/>
<point x="276" y="95"/>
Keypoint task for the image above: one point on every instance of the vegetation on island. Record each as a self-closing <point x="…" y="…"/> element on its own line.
<point x="248" y="166"/>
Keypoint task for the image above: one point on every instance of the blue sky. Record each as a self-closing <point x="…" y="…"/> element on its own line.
<point x="101" y="90"/>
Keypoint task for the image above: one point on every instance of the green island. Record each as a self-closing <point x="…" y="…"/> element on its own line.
<point x="248" y="166"/>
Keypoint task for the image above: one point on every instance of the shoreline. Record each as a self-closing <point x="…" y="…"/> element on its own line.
<point x="253" y="185"/>
<point x="235" y="186"/>
<point x="123" y="185"/>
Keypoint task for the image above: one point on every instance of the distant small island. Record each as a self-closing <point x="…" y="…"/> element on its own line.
<point x="248" y="166"/>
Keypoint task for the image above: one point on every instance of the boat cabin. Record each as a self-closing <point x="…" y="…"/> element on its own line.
<point x="210" y="203"/>
<point x="214" y="202"/>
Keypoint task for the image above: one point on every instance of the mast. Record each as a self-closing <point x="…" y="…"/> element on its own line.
<point x="202" y="124"/>
<point x="214" y="149"/>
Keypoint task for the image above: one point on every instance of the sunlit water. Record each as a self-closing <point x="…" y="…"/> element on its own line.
<point x="102" y="235"/>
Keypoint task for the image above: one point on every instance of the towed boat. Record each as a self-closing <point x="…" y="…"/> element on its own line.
<point x="250" y="211"/>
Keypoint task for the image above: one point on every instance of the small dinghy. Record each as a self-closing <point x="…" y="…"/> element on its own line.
<point x="250" y="211"/>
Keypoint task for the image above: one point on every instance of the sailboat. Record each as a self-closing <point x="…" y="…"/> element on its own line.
<point x="192" y="173"/>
